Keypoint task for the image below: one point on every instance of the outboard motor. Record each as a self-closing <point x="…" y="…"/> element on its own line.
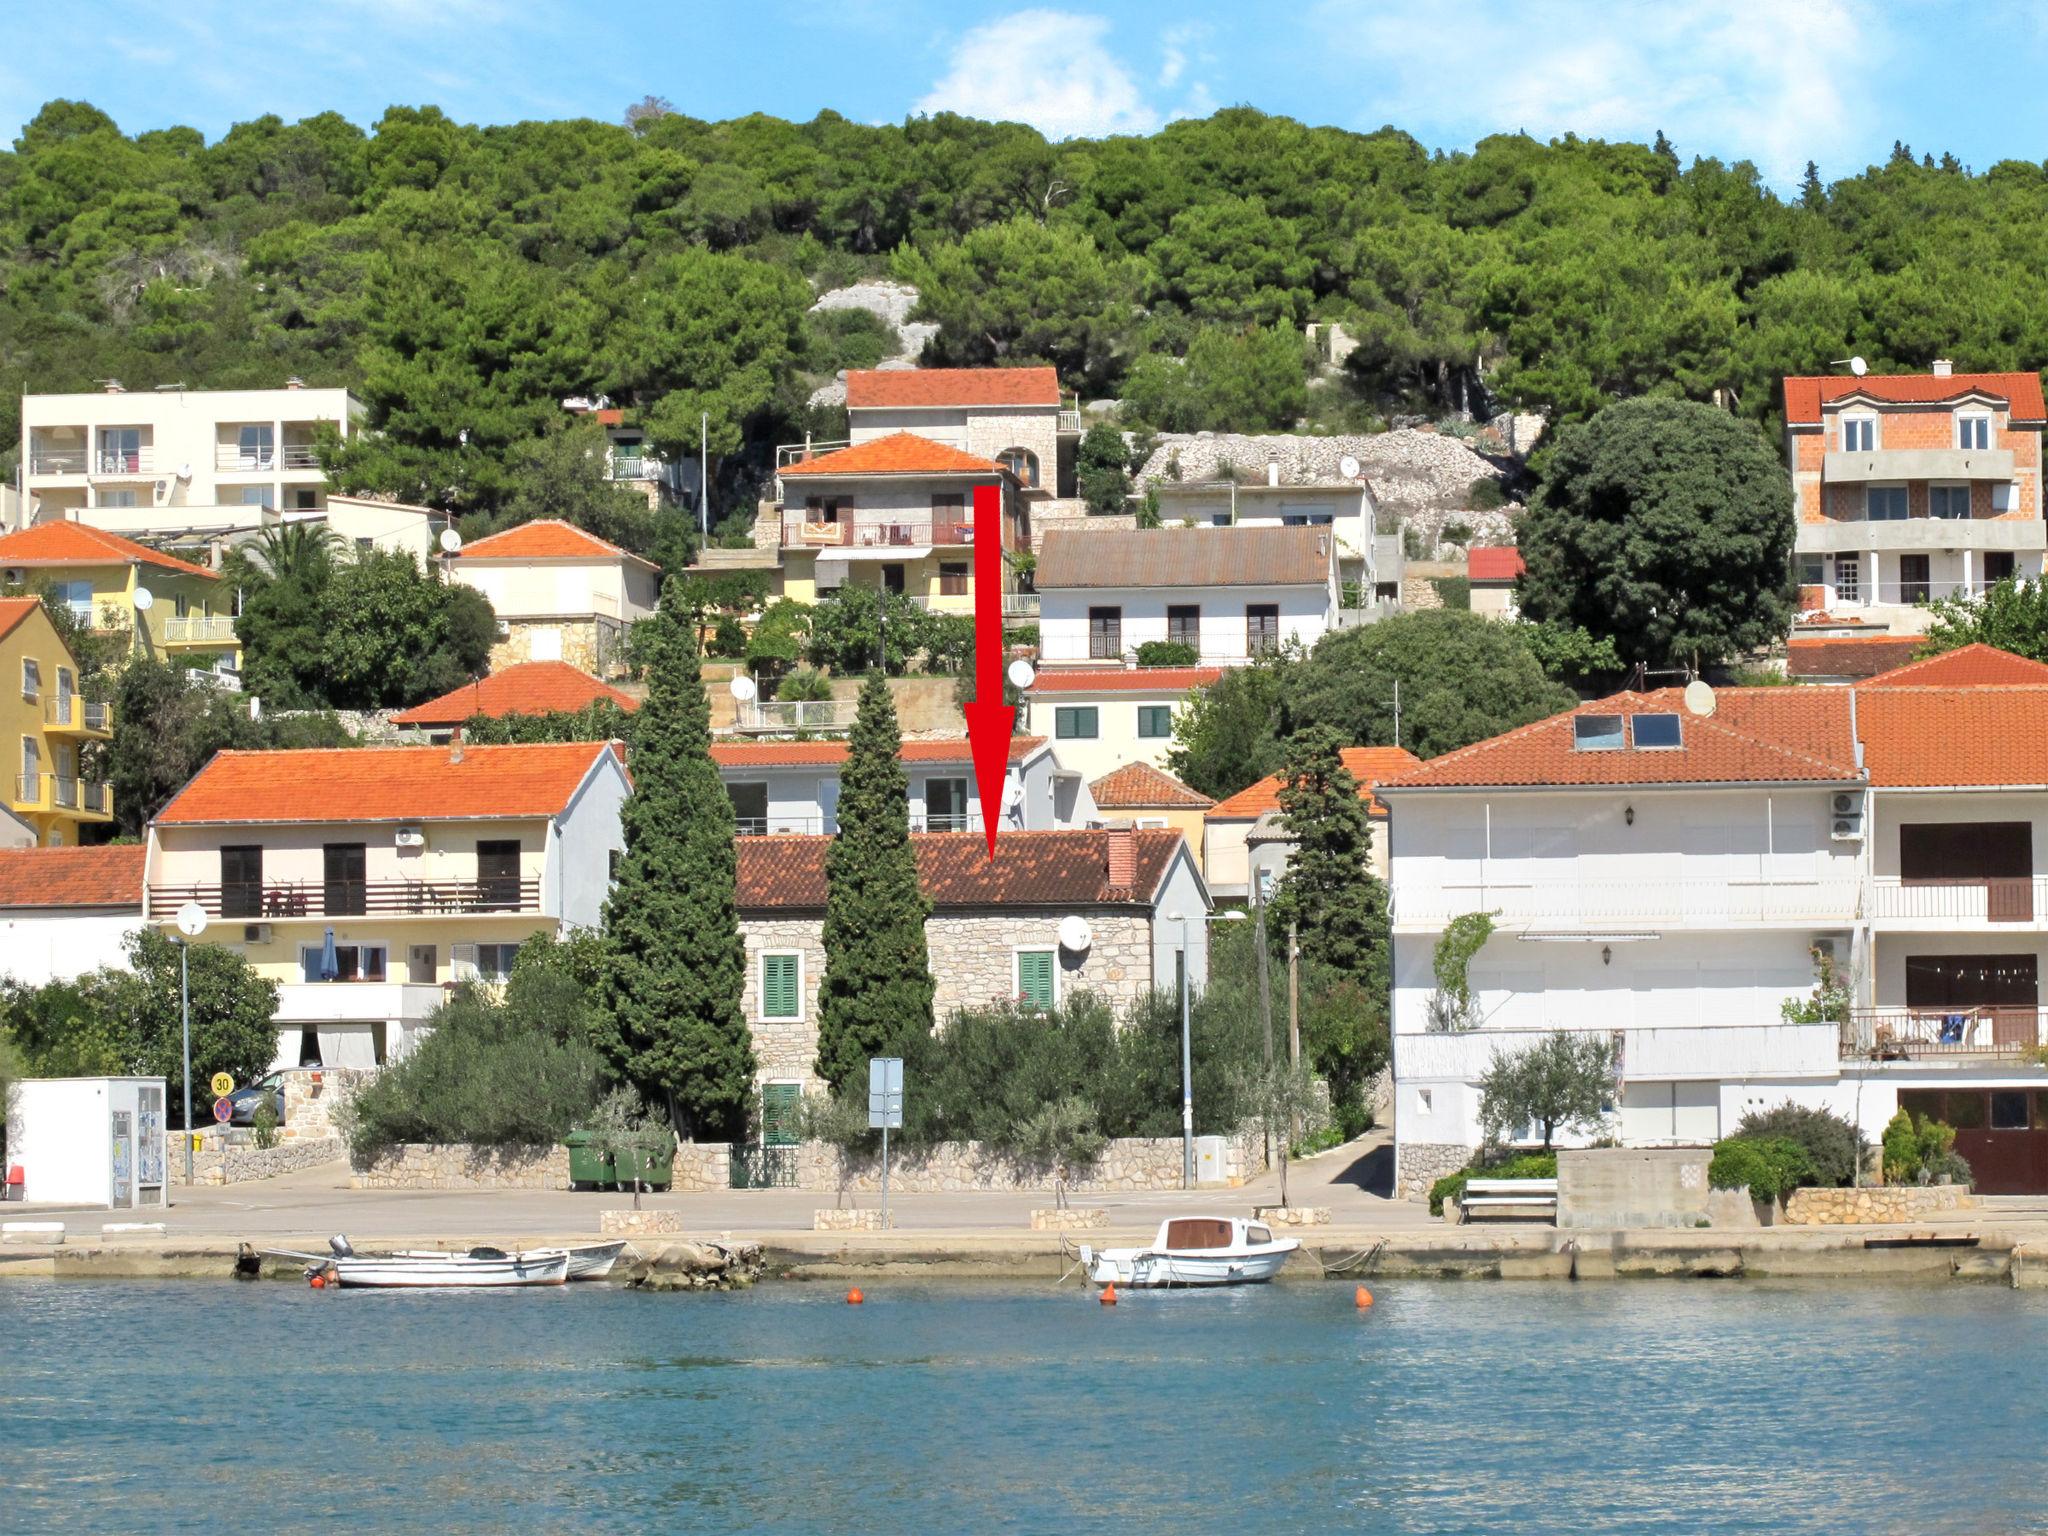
<point x="340" y="1246"/>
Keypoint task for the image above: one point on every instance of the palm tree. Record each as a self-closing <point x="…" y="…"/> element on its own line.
<point x="303" y="553"/>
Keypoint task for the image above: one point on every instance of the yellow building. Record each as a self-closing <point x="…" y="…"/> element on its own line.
<point x="1141" y="795"/>
<point x="45" y="723"/>
<point x="102" y="577"/>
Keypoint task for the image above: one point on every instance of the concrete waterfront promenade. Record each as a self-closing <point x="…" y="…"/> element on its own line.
<point x="988" y="1234"/>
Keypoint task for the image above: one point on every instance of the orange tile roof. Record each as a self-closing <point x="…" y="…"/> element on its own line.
<point x="1124" y="679"/>
<point x="900" y="453"/>
<point x="106" y="876"/>
<point x="1140" y="786"/>
<point x="867" y="388"/>
<point x="61" y="544"/>
<point x="829" y="754"/>
<point x="13" y="610"/>
<point x="1969" y="666"/>
<point x="1755" y="735"/>
<point x="1859" y="656"/>
<point x="546" y="538"/>
<point x="1371" y="766"/>
<point x="1804" y="396"/>
<point x="530" y="688"/>
<point x="1030" y="869"/>
<point x="1941" y="737"/>
<point x="1503" y="564"/>
<point x="350" y="784"/>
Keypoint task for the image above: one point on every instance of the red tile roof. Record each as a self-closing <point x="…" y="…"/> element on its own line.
<point x="900" y="453"/>
<point x="1030" y="869"/>
<point x="1804" y="396"/>
<point x="1124" y="679"/>
<point x="1183" y="557"/>
<point x="1371" y="766"/>
<point x="530" y="688"/>
<point x="822" y="754"/>
<point x="1937" y="737"/>
<point x="1755" y="735"/>
<point x="546" y="538"/>
<point x="1140" y="786"/>
<point x="1969" y="666"/>
<point x="1503" y="564"/>
<point x="13" y="610"/>
<point x="1860" y="656"/>
<point x="61" y="544"/>
<point x="106" y="876"/>
<point x="867" y="388"/>
<point x="384" y="784"/>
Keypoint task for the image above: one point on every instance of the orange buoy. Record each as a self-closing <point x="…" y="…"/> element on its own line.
<point x="317" y="1281"/>
<point x="1363" y="1298"/>
<point x="1108" y="1296"/>
<point x="854" y="1297"/>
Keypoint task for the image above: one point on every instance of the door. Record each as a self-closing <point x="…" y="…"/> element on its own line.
<point x="67" y="686"/>
<point x="497" y="874"/>
<point x="1105" y="634"/>
<point x="1261" y="628"/>
<point x="892" y="580"/>
<point x="1914" y="583"/>
<point x="749" y="808"/>
<point x="345" y="883"/>
<point x="1184" y="625"/>
<point x="31" y="770"/>
<point x="2001" y="1132"/>
<point x="1984" y="1000"/>
<point x="945" y="805"/>
<point x="256" y="448"/>
<point x="1998" y="855"/>
<point x="241" y="881"/>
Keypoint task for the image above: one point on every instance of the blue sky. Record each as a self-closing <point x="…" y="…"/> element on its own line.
<point x="1775" y="81"/>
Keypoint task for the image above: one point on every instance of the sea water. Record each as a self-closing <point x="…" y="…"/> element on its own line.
<point x="1445" y="1407"/>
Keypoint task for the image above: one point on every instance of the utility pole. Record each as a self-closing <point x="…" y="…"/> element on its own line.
<point x="1265" y="996"/>
<point x="704" y="474"/>
<point x="1293" y="1008"/>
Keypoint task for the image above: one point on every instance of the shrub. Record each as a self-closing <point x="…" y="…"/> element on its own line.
<point x="1456" y="532"/>
<point x="1920" y="1150"/>
<point x="1771" y="1166"/>
<point x="1167" y="653"/>
<point x="1523" y="1165"/>
<point x="1486" y="495"/>
<point x="1453" y="591"/>
<point x="806" y="685"/>
<point x="1834" y="1147"/>
<point x="728" y="637"/>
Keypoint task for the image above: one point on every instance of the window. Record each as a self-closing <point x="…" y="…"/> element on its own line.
<point x="253" y="496"/>
<point x="1998" y="566"/>
<point x="613" y="860"/>
<point x="31" y="678"/>
<point x="892" y="579"/>
<point x="1973" y="432"/>
<point x="1261" y="628"/>
<point x="255" y="448"/>
<point x="118" y="499"/>
<point x="1948" y="501"/>
<point x="749" y="808"/>
<point x="1914" y="583"/>
<point x="494" y="961"/>
<point x="1848" y="579"/>
<point x="120" y="450"/>
<point x="352" y="962"/>
<point x="1656" y="733"/>
<point x="949" y="509"/>
<point x="1105" y="634"/>
<point x="1597" y="733"/>
<point x="181" y="606"/>
<point x="1155" y="721"/>
<point x="782" y="986"/>
<point x="1076" y="723"/>
<point x="497" y="874"/>
<point x="241" y="881"/>
<point x="75" y="595"/>
<point x="345" y="879"/>
<point x="1859" y="434"/>
<point x="1036" y="987"/>
<point x="1022" y="463"/>
<point x="31" y="768"/>
<point x="2009" y="1111"/>
<point x="781" y="1114"/>
<point x="305" y="499"/>
<point x="1885" y="504"/>
<point x="945" y="805"/>
<point x="1184" y="625"/>
<point x="952" y="578"/>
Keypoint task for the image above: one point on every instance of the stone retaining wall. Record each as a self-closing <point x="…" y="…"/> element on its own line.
<point x="247" y="1161"/>
<point x="1887" y="1203"/>
<point x="417" y="1166"/>
<point x="1421" y="1163"/>
<point x="309" y="1105"/>
<point x="1127" y="1165"/>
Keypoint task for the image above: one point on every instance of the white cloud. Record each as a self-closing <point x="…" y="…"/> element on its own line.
<point x="1051" y="69"/>
<point x="1764" y="80"/>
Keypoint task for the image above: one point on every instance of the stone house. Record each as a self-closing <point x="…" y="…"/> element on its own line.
<point x="995" y="932"/>
<point x="1011" y="415"/>
<point x="560" y="594"/>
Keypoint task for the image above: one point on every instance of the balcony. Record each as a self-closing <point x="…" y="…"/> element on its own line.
<point x="1943" y="1034"/>
<point x="122" y="464"/>
<point x="877" y="537"/>
<point x="1070" y="423"/>
<point x="57" y="794"/>
<point x="70" y="715"/>
<point x="1699" y="1053"/>
<point x="1926" y="904"/>
<point x="1020" y="605"/>
<point x="1884" y="464"/>
<point x="233" y="459"/>
<point x="214" y="630"/>
<point x="57" y="461"/>
<point x="1856" y="535"/>
<point x="636" y="466"/>
<point x="353" y="898"/>
<point x="787" y="454"/>
<point x="785" y="715"/>
<point x="357" y="1002"/>
<point x="1620" y="904"/>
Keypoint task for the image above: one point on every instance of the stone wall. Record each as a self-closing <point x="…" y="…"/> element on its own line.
<point x="232" y="1160"/>
<point x="1420" y="1164"/>
<point x="1069" y="514"/>
<point x="1887" y="1203"/>
<point x="309" y="1105"/>
<point x="1127" y="1165"/>
<point x="702" y="1166"/>
<point x="1604" y="1188"/>
<point x="593" y="645"/>
<point x="417" y="1166"/>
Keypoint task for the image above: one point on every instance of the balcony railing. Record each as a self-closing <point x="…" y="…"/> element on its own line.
<point x="852" y="533"/>
<point x="1765" y="1048"/>
<point x="780" y="826"/>
<point x="215" y="630"/>
<point x="119" y="463"/>
<point x="1020" y="605"/>
<point x="796" y="715"/>
<point x="57" y="461"/>
<point x="787" y="454"/>
<point x="2022" y="900"/>
<point x="52" y="793"/>
<point x="1916" y="1034"/>
<point x="945" y="821"/>
<point x="1632" y="902"/>
<point x="351" y="898"/>
<point x="1070" y="421"/>
<point x="69" y="712"/>
<point x="232" y="458"/>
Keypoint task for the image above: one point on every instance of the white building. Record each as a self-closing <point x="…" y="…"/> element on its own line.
<point x="1664" y="878"/>
<point x="560" y="594"/>
<point x="1105" y="717"/>
<point x="1245" y="837"/>
<point x="1230" y="593"/>
<point x="1369" y="563"/>
<point x="66" y="911"/>
<point x="793" y="786"/>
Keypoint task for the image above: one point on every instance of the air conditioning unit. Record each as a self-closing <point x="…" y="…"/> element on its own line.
<point x="160" y="493"/>
<point x="255" y="933"/>
<point x="411" y="837"/>
<point x="13" y="576"/>
<point x="1845" y="818"/>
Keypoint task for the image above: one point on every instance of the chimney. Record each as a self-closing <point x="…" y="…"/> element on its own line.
<point x="455" y="749"/>
<point x="1123" y="858"/>
<point x="1943" y="368"/>
<point x="295" y="382"/>
<point x="1273" y="473"/>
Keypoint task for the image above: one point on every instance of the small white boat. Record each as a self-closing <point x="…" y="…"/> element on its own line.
<point x="587" y="1261"/>
<point x="1195" y="1250"/>
<point x="479" y="1267"/>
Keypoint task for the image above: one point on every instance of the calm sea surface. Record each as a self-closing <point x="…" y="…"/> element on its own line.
<point x="1497" y="1408"/>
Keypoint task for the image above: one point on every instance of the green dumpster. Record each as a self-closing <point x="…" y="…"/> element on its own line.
<point x="657" y="1170"/>
<point x="588" y="1165"/>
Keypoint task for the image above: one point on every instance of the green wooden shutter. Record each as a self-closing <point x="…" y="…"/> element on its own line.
<point x="1034" y="977"/>
<point x="778" y="987"/>
<point x="781" y="1104"/>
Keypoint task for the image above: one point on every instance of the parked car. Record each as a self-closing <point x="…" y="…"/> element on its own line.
<point x="243" y="1102"/>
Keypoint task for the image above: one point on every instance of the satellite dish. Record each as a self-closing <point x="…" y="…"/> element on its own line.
<point x="742" y="688"/>
<point x="1858" y="367"/>
<point x="451" y="541"/>
<point x="1348" y="467"/>
<point x="144" y="599"/>
<point x="191" y="919"/>
<point x="1699" y="698"/>
<point x="1021" y="674"/>
<point x="184" y="471"/>
<point x="1075" y="935"/>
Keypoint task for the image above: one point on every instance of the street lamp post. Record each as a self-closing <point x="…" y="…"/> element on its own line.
<point x="191" y="923"/>
<point x="1187" y="1070"/>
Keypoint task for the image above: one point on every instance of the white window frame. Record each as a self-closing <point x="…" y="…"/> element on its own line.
<point x="1876" y="436"/>
<point x="480" y="945"/>
<point x="116" y="498"/>
<point x="761" y="1013"/>
<point x="1017" y="977"/>
<point x="966" y="788"/>
<point x="31" y="679"/>
<point x="1965" y="421"/>
<point x="1850" y="591"/>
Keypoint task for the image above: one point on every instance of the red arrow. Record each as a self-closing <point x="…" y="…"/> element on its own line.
<point x="989" y="719"/>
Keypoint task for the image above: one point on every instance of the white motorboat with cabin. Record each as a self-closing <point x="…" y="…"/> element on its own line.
<point x="1195" y="1250"/>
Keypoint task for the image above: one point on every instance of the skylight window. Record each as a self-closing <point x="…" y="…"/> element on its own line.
<point x="1597" y="733"/>
<point x="1657" y="733"/>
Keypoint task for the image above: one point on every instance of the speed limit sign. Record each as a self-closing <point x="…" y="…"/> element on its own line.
<point x="223" y="1085"/>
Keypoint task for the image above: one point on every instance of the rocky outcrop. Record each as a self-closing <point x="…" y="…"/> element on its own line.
<point x="693" y="1266"/>
<point x="890" y="302"/>
<point x="1412" y="471"/>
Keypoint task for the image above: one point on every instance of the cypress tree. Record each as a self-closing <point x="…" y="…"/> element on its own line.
<point x="1330" y="889"/>
<point x="876" y="995"/>
<point x="670" y="1016"/>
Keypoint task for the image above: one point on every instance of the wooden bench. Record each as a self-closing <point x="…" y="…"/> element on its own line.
<point x="1514" y="1198"/>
